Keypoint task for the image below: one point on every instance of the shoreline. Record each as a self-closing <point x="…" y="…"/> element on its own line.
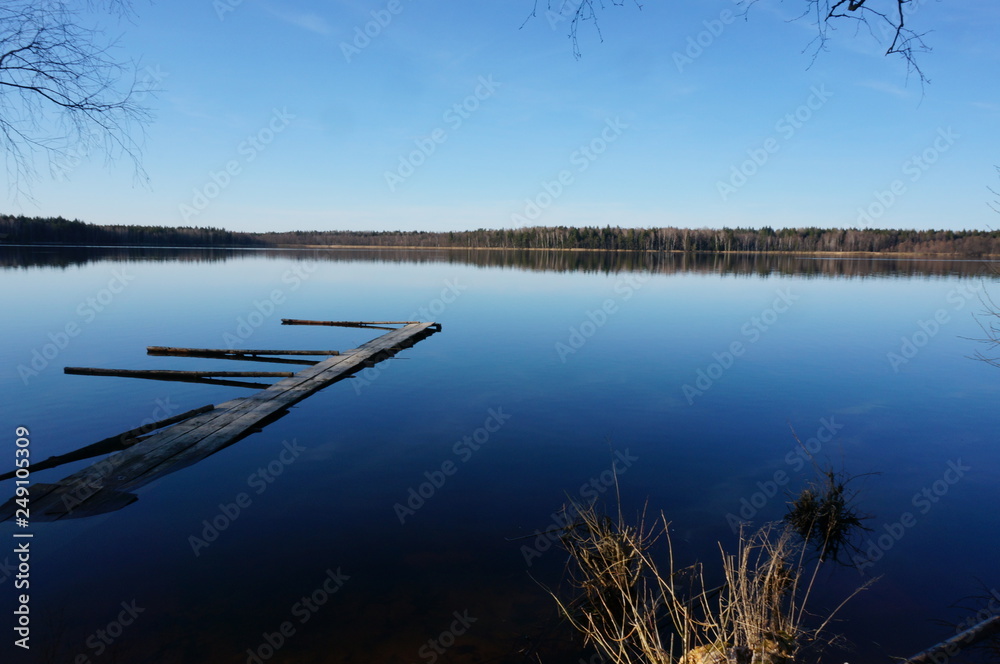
<point x="675" y="252"/>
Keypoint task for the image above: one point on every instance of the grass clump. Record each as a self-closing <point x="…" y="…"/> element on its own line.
<point x="823" y="513"/>
<point x="633" y="612"/>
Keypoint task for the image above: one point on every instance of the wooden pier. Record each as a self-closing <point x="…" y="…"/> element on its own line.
<point x="107" y="484"/>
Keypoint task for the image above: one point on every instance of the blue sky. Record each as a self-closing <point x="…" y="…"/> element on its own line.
<point x="274" y="114"/>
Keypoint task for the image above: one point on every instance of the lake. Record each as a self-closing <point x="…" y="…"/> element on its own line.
<point x="395" y="516"/>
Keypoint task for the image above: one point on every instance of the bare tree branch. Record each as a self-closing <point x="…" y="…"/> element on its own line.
<point x="61" y="87"/>
<point x="889" y="20"/>
<point x="995" y="205"/>
<point x="575" y="12"/>
<point x="885" y="20"/>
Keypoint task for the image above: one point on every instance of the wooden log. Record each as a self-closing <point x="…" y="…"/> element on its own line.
<point x="245" y="358"/>
<point x="170" y="350"/>
<point x="113" y="444"/>
<point x="163" y="374"/>
<point x="376" y="325"/>
<point x="948" y="649"/>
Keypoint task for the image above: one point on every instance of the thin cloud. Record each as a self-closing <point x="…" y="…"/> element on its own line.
<point x="305" y="20"/>
<point x="888" y="88"/>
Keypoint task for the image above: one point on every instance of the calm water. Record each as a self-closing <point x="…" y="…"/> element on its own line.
<point x="549" y="367"/>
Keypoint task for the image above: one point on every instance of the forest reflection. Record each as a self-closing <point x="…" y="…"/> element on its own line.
<point x="607" y="262"/>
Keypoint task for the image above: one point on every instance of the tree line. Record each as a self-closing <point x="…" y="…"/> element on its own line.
<point x="57" y="230"/>
<point x="33" y="230"/>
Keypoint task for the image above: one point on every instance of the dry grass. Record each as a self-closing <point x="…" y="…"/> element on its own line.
<point x="633" y="613"/>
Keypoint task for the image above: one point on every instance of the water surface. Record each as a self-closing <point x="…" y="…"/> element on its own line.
<point x="691" y="371"/>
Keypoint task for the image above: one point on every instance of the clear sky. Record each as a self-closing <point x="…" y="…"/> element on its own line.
<point x="452" y="116"/>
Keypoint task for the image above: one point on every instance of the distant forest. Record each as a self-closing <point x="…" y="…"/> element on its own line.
<point x="29" y="230"/>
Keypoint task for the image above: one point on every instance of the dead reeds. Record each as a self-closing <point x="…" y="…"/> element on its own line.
<point x="631" y="612"/>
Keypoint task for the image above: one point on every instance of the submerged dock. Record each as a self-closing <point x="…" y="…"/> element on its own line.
<point x="107" y="484"/>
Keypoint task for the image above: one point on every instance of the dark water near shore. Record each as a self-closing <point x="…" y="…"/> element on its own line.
<point x="689" y="371"/>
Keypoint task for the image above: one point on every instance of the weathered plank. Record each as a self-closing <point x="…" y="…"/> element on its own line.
<point x="170" y="350"/>
<point x="112" y="443"/>
<point x="105" y="485"/>
<point x="263" y="359"/>
<point x="948" y="649"/>
<point x="166" y="374"/>
<point x="378" y="325"/>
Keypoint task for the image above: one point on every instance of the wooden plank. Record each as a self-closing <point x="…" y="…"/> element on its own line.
<point x="168" y="374"/>
<point x="112" y="443"/>
<point x="104" y="485"/>
<point x="378" y="325"/>
<point x="174" y="434"/>
<point x="89" y="483"/>
<point x="284" y="394"/>
<point x="261" y="359"/>
<point x="45" y="495"/>
<point x="264" y="359"/>
<point x="136" y="467"/>
<point x="347" y="323"/>
<point x="948" y="649"/>
<point x="170" y="350"/>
